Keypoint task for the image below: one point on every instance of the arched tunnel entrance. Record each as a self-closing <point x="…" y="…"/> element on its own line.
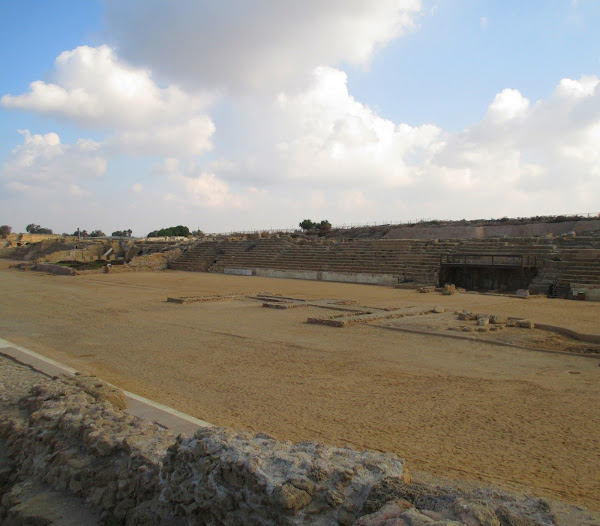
<point x="481" y="272"/>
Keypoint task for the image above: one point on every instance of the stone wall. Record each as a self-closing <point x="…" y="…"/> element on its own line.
<point x="342" y="277"/>
<point x="67" y="435"/>
<point x="150" y="262"/>
<point x="480" y="232"/>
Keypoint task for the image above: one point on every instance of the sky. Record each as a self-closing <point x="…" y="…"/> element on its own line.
<point x="257" y="114"/>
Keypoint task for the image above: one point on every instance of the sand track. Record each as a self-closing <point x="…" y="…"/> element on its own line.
<point x="461" y="409"/>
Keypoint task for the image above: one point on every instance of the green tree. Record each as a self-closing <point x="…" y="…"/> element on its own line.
<point x="37" y="229"/>
<point x="307" y="224"/>
<point x="122" y="233"/>
<point x="97" y="233"/>
<point x="5" y="230"/>
<point x="179" y="230"/>
<point x="324" y="226"/>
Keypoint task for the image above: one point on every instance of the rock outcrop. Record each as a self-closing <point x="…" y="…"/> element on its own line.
<point x="68" y="444"/>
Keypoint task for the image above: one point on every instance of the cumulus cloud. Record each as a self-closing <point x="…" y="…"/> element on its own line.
<point x="508" y="105"/>
<point x="311" y="149"/>
<point x="347" y="163"/>
<point x="333" y="137"/>
<point x="545" y="153"/>
<point x="188" y="138"/>
<point x="43" y="163"/>
<point x="93" y="88"/>
<point x="268" y="44"/>
<point x="190" y="185"/>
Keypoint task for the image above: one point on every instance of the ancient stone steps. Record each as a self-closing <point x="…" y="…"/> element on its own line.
<point x="415" y="259"/>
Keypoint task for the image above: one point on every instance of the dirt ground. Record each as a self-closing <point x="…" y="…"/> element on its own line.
<point x="468" y="410"/>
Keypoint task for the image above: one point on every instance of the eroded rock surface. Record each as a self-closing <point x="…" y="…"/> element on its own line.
<point x="64" y="446"/>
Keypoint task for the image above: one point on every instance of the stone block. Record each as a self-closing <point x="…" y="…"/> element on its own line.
<point x="449" y="289"/>
<point x="526" y="324"/>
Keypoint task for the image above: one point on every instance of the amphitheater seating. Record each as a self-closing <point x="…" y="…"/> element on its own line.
<point x="198" y="258"/>
<point x="569" y="259"/>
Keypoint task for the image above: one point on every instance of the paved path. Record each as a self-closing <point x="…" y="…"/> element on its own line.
<point x="21" y="369"/>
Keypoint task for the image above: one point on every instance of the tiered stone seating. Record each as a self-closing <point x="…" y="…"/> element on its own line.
<point x="247" y="254"/>
<point x="197" y="258"/>
<point x="415" y="260"/>
<point x="574" y="263"/>
<point x="525" y="246"/>
<point x="582" y="267"/>
<point x="571" y="259"/>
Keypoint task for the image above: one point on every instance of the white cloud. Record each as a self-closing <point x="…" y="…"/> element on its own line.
<point x="266" y="44"/>
<point x="189" y="138"/>
<point x="77" y="191"/>
<point x="483" y="22"/>
<point x="341" y="160"/>
<point x="536" y="157"/>
<point x="94" y="89"/>
<point x="43" y="163"/>
<point x="585" y="87"/>
<point x="508" y="104"/>
<point x="192" y="186"/>
<point x="309" y="151"/>
<point x="333" y="138"/>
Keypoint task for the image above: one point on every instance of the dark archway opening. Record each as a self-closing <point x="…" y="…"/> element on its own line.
<point x="485" y="278"/>
<point x="483" y="272"/>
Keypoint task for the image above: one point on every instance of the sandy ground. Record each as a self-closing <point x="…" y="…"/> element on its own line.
<point x="522" y="419"/>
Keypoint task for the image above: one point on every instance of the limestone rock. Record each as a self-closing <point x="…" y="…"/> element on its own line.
<point x="330" y="483"/>
<point x="526" y="324"/>
<point x="98" y="389"/>
<point x="136" y="473"/>
<point x="35" y="504"/>
<point x="475" y="513"/>
<point x="438" y="309"/>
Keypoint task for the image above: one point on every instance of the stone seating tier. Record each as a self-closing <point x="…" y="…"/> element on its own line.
<point x="572" y="258"/>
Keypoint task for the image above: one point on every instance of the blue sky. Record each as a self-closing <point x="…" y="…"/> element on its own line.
<point x="259" y="114"/>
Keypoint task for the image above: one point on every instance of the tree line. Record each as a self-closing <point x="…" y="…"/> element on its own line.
<point x="179" y="230"/>
<point x="173" y="231"/>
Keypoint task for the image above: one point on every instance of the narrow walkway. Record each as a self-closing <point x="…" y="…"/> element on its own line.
<point x="16" y="380"/>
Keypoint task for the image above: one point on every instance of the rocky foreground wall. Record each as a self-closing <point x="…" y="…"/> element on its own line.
<point x="68" y="435"/>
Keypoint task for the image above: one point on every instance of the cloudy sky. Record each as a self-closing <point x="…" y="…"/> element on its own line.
<point x="248" y="114"/>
